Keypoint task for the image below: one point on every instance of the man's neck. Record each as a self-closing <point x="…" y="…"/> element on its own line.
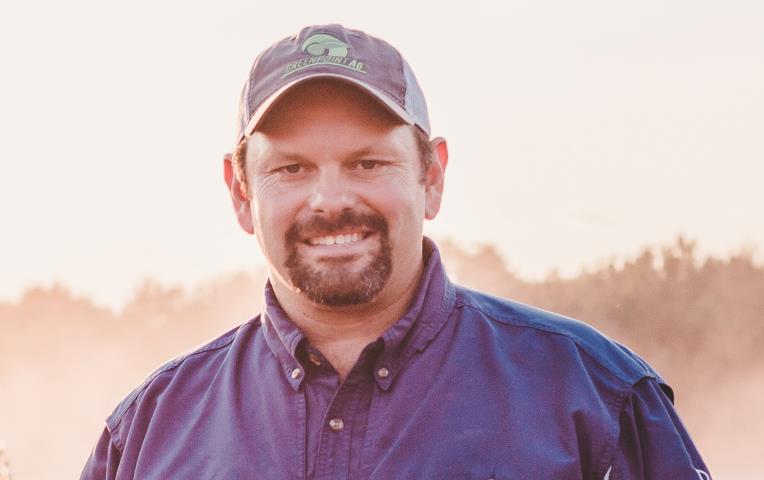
<point x="342" y="333"/>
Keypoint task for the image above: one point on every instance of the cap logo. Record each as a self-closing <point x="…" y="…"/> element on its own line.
<point x="324" y="49"/>
<point x="323" y="44"/>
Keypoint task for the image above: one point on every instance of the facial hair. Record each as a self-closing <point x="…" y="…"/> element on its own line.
<point x="332" y="285"/>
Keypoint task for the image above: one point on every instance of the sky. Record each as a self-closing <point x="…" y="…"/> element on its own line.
<point x="578" y="131"/>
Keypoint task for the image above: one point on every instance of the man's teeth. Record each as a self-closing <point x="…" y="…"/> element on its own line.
<point x="335" y="239"/>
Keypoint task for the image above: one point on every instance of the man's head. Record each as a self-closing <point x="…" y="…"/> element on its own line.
<point x="334" y="181"/>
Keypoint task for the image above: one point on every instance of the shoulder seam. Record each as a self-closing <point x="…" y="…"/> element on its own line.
<point x="550" y="329"/>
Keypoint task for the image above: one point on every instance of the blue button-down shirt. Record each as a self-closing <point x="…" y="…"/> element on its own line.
<point x="463" y="386"/>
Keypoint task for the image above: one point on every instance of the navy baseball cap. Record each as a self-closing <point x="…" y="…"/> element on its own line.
<point x="332" y="51"/>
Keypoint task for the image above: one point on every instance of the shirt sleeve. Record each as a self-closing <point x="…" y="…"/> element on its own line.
<point x="103" y="461"/>
<point x="653" y="443"/>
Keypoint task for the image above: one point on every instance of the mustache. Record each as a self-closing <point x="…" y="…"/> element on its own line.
<point x="322" y="225"/>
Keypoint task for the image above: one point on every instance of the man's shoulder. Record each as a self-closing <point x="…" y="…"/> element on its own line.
<point x="193" y="366"/>
<point x="615" y="358"/>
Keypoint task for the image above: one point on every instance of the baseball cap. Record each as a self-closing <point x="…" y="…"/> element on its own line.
<point x="332" y="51"/>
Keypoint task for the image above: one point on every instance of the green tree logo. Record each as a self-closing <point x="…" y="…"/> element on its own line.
<point x="323" y="44"/>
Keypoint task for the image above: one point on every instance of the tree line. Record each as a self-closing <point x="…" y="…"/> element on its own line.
<point x="697" y="320"/>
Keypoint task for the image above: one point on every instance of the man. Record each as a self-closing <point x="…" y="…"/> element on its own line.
<point x="366" y="361"/>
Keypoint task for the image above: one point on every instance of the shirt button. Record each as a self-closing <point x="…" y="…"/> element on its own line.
<point x="296" y="373"/>
<point x="336" y="424"/>
<point x="383" y="372"/>
<point x="314" y="359"/>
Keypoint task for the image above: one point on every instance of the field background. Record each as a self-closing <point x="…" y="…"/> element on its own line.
<point x="65" y="363"/>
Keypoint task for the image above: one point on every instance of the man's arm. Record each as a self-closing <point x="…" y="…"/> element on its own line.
<point x="653" y="443"/>
<point x="103" y="461"/>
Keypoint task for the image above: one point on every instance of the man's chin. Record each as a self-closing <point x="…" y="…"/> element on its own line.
<point x="338" y="286"/>
<point x="339" y="298"/>
<point x="339" y="283"/>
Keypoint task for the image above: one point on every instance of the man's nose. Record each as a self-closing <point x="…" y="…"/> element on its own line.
<point x="331" y="193"/>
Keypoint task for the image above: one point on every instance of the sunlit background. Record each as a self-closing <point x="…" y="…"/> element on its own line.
<point x="580" y="134"/>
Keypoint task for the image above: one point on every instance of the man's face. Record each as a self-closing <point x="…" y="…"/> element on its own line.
<point x="337" y="195"/>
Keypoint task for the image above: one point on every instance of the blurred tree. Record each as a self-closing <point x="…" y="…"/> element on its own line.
<point x="694" y="319"/>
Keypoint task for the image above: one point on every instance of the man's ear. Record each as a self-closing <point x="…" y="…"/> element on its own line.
<point x="435" y="176"/>
<point x="241" y="203"/>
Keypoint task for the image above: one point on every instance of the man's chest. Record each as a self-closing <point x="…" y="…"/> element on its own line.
<point x="458" y="426"/>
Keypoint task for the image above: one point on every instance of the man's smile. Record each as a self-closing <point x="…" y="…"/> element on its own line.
<point x="339" y="246"/>
<point x="338" y="238"/>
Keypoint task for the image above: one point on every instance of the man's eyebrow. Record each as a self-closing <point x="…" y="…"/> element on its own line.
<point x="280" y="157"/>
<point x="361" y="152"/>
<point x="376" y="151"/>
<point x="293" y="157"/>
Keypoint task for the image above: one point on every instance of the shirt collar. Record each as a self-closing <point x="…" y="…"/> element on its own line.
<point x="424" y="318"/>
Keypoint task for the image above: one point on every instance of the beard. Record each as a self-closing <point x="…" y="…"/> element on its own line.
<point x="334" y="285"/>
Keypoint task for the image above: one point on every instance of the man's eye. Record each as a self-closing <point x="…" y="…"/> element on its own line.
<point x="293" y="168"/>
<point x="368" y="164"/>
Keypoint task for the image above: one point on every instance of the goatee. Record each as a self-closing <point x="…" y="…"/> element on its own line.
<point x="332" y="284"/>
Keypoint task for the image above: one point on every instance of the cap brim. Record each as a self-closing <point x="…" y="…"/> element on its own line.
<point x="383" y="98"/>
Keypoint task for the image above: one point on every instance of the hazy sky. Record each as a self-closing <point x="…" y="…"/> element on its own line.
<point x="577" y="130"/>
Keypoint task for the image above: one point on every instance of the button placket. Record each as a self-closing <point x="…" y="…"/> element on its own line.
<point x="337" y="439"/>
